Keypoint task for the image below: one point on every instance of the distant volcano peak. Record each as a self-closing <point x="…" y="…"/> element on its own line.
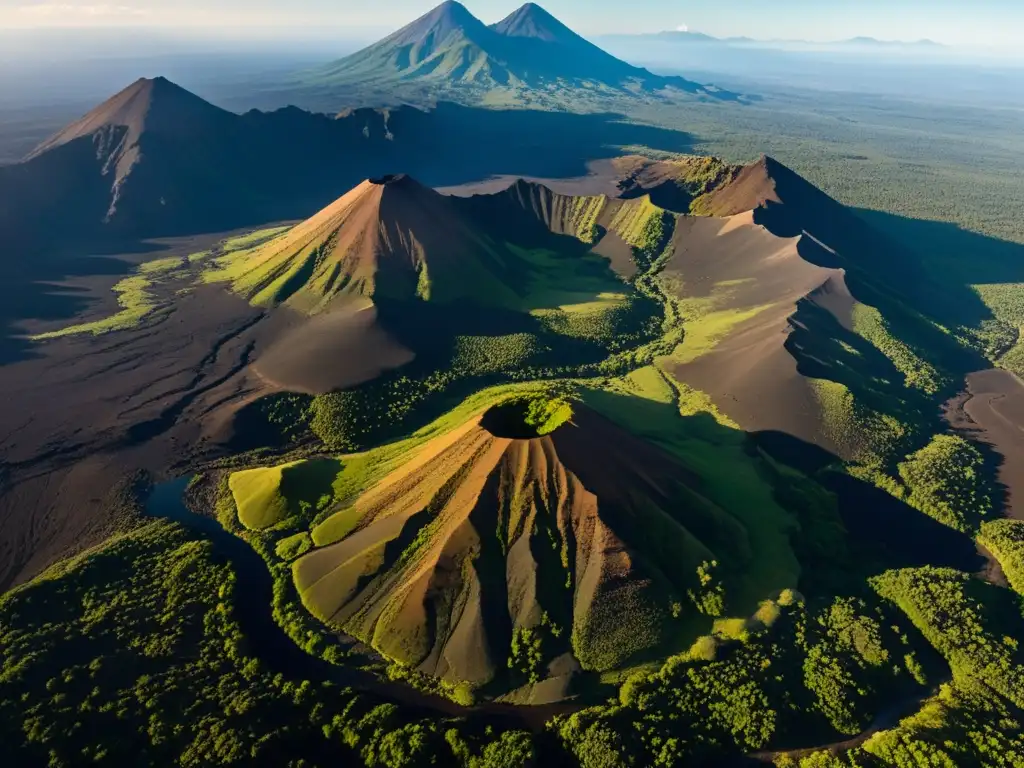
<point x="531" y="20"/>
<point x="439" y="24"/>
<point x="449" y="47"/>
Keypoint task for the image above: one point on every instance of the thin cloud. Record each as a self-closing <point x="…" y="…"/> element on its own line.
<point x="48" y="10"/>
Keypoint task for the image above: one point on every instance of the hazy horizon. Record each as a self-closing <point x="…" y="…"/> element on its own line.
<point x="994" y="25"/>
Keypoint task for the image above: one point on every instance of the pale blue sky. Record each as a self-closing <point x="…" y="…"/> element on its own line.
<point x="998" y="23"/>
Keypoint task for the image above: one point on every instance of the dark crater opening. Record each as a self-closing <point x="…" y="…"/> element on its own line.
<point x="526" y="419"/>
<point x="510" y="420"/>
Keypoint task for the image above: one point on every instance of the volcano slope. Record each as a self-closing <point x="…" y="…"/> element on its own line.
<point x="769" y="321"/>
<point x="524" y="544"/>
<point x="474" y="290"/>
<point x="485" y="541"/>
<point x="790" y="328"/>
<point x="761" y="299"/>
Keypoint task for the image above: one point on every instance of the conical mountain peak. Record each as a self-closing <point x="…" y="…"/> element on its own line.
<point x="589" y="487"/>
<point x="533" y="21"/>
<point x="448" y="19"/>
<point x="449" y="47"/>
<point x="389" y="238"/>
<point x="155" y="105"/>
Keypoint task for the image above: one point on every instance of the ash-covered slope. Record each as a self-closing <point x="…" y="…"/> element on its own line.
<point x="161" y="153"/>
<point x="389" y="238"/>
<point x="802" y="317"/>
<point x="586" y="539"/>
<point x="788" y="205"/>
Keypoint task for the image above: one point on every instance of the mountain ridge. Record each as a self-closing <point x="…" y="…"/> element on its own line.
<point x="450" y="49"/>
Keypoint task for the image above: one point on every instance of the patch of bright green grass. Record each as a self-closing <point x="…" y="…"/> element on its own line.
<point x="258" y="496"/>
<point x="135" y="297"/>
<point x="252" y="239"/>
<point x="600" y="303"/>
<point x="267" y="495"/>
<point x="693" y="402"/>
<point x="162" y="266"/>
<point x="647" y="405"/>
<point x="136" y="300"/>
<point x="631" y="222"/>
<point x="706" y="329"/>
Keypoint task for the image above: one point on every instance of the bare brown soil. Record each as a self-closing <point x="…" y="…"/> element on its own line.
<point x="83" y="412"/>
<point x="332" y="350"/>
<point x="619" y="254"/>
<point x="991" y="410"/>
<point x="92" y="409"/>
<point x="750" y="374"/>
<point x="391" y="238"/>
<point x="424" y="578"/>
<point x="752" y="188"/>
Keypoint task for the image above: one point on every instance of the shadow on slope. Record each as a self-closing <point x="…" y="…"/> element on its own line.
<point x="524" y="142"/>
<point x="884" y="532"/>
<point x="32" y="291"/>
<point x="956" y="258"/>
<point x="874" y="531"/>
<point x="304" y="161"/>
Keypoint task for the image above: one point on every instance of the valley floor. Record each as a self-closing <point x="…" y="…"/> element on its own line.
<point x="991" y="410"/>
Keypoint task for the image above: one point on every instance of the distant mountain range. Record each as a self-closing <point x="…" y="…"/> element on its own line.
<point x="450" y="53"/>
<point x="156" y="160"/>
<point x="699" y="38"/>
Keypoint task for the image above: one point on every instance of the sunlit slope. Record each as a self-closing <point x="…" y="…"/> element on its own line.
<point x="449" y="51"/>
<point x="387" y="238"/>
<point x="587" y="535"/>
<point x="740" y="289"/>
<point x="799" y="316"/>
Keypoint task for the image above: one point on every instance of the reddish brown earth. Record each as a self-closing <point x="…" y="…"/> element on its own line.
<point x="478" y="529"/>
<point x="991" y="410"/>
<point x="750" y="374"/>
<point x="387" y="237"/>
<point x="752" y="187"/>
<point x="333" y="350"/>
